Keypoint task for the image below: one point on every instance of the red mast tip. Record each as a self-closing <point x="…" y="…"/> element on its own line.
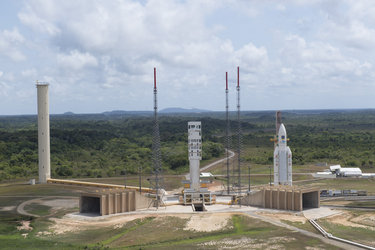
<point x="154" y="78"/>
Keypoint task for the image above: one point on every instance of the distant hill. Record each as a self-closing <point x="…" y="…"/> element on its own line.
<point x="182" y="110"/>
<point x="124" y="112"/>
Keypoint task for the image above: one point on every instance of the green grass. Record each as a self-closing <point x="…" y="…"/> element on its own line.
<point x="12" y="201"/>
<point x="361" y="235"/>
<point x="19" y="242"/>
<point x="168" y="233"/>
<point x="37" y="209"/>
<point x="11" y="238"/>
<point x="138" y="223"/>
<point x="347" y="183"/>
<point x="305" y="226"/>
<point x="20" y="189"/>
<point x="362" y="204"/>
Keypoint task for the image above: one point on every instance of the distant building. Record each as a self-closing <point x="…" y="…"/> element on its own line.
<point x="337" y="171"/>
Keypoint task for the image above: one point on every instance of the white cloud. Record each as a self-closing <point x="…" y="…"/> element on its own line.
<point x="76" y="60"/>
<point x="251" y="58"/>
<point x="10" y="42"/>
<point x="31" y="73"/>
<point x="35" y="19"/>
<point x="105" y="50"/>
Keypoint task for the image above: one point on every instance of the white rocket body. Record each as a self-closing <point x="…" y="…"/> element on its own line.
<point x="195" y="153"/>
<point x="282" y="160"/>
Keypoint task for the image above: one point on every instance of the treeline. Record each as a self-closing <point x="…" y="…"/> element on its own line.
<point x="99" y="147"/>
<point x="113" y="145"/>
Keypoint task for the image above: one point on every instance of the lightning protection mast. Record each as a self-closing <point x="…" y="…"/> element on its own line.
<point x="227" y="137"/>
<point x="239" y="132"/>
<point x="156" y="155"/>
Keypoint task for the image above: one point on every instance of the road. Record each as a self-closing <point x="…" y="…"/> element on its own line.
<point x="231" y="155"/>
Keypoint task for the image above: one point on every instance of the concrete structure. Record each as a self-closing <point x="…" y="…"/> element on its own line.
<point x="350" y="172"/>
<point x="195" y="191"/>
<point x="195" y="153"/>
<point x="345" y="172"/>
<point x="282" y="160"/>
<point x="337" y="171"/>
<point x="324" y="175"/>
<point x="43" y="133"/>
<point x="284" y="198"/>
<point x="113" y="202"/>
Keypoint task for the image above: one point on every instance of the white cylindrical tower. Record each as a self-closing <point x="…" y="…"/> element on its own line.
<point x="195" y="153"/>
<point x="43" y="133"/>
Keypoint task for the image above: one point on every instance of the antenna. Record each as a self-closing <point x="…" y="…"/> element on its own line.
<point x="227" y="138"/>
<point x="239" y="132"/>
<point x="156" y="155"/>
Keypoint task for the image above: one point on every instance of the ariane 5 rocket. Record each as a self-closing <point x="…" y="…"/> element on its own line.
<point x="282" y="160"/>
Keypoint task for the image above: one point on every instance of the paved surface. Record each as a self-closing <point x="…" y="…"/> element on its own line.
<point x="316" y="213"/>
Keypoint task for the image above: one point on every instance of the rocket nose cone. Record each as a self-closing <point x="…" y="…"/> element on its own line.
<point x="282" y="130"/>
<point x="282" y="135"/>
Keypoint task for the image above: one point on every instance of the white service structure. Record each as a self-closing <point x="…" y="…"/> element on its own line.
<point x="337" y="171"/>
<point x="282" y="160"/>
<point x="43" y="133"/>
<point x="195" y="153"/>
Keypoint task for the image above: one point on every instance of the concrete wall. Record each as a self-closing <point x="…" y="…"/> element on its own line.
<point x="255" y="199"/>
<point x="142" y="201"/>
<point x="284" y="198"/>
<point x="113" y="202"/>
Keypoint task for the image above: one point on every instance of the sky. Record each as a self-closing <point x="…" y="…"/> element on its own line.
<point x="99" y="55"/>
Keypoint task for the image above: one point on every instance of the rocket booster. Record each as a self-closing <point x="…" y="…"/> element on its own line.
<point x="282" y="159"/>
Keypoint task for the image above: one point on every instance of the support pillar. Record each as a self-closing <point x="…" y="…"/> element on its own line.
<point x="43" y="133"/>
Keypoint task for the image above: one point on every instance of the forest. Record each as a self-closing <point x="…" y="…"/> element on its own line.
<point x="116" y="144"/>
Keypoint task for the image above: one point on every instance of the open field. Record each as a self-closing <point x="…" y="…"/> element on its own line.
<point x="185" y="231"/>
<point x="358" y="226"/>
<point x="346" y="183"/>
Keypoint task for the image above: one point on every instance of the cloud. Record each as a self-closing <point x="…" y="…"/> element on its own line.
<point x="99" y="55"/>
<point x="31" y="18"/>
<point x="251" y="58"/>
<point x="76" y="60"/>
<point x="10" y="43"/>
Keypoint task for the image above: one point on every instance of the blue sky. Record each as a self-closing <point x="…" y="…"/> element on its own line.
<point x="99" y="55"/>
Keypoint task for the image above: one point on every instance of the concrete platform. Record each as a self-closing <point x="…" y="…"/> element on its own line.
<point x="316" y="213"/>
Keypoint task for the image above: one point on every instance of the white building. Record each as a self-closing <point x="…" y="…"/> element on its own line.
<point x="349" y="172"/>
<point x="337" y="171"/>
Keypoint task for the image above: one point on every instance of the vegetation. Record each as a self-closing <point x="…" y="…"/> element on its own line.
<point x="357" y="234"/>
<point x="106" y="145"/>
<point x="98" y="146"/>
